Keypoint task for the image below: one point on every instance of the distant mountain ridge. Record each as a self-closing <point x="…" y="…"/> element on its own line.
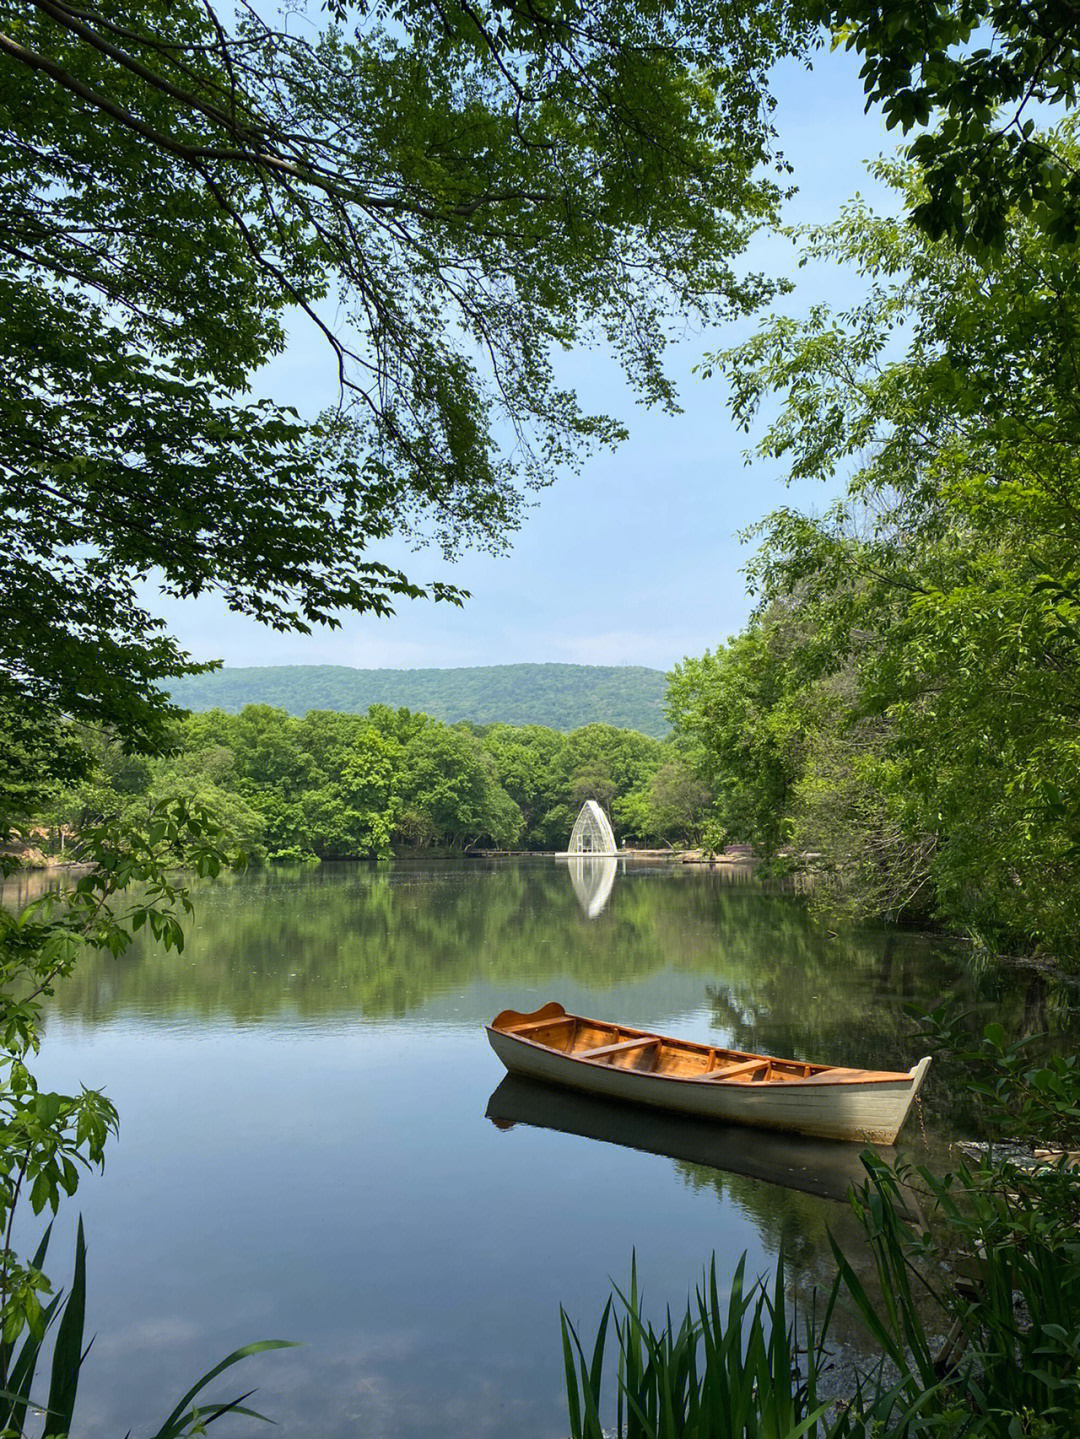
<point x="560" y="696"/>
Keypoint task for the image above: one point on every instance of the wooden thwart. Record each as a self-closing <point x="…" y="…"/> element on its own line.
<point x="733" y="1070"/>
<point x="605" y="1049"/>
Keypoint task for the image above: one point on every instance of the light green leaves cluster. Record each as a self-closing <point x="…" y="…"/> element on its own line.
<point x="973" y="78"/>
<point x="450" y="195"/>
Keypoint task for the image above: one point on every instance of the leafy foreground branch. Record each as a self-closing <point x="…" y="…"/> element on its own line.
<point x="974" y="1321"/>
<point x="46" y="1138"/>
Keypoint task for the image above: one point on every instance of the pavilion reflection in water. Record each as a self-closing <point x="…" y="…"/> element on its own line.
<point x="593" y="877"/>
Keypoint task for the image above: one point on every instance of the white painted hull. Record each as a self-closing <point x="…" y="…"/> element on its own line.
<point x="870" y="1112"/>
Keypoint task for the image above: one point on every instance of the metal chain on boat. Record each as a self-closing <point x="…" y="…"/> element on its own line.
<point x="922" y="1122"/>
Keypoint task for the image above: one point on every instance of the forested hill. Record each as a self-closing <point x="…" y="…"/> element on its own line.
<point x="562" y="697"/>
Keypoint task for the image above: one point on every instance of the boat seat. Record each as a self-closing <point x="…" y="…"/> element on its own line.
<point x="733" y="1071"/>
<point x="606" y="1049"/>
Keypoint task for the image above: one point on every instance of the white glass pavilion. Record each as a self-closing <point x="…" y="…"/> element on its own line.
<point x="592" y="832"/>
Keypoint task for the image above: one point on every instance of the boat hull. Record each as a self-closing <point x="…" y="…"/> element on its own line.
<point x="870" y="1112"/>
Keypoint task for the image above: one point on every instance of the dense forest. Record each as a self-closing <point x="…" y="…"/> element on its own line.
<point x="562" y="697"/>
<point x="341" y="786"/>
<point x="902" y="712"/>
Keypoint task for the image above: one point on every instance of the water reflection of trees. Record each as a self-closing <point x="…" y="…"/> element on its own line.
<point x="835" y="1006"/>
<point x="798" y="1225"/>
<point x="794" y="1191"/>
<point x="366" y="941"/>
<point x="379" y="941"/>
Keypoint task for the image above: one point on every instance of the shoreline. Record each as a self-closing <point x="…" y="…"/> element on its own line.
<point x="696" y="857"/>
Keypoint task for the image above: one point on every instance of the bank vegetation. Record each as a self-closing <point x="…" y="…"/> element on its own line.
<point x="347" y="786"/>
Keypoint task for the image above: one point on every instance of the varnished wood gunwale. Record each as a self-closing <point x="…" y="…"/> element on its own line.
<point x="543" y="1024"/>
<point x="520" y="1025"/>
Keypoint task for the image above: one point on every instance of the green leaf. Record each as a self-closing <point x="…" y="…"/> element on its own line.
<point x="173" y="1425"/>
<point x="68" y="1353"/>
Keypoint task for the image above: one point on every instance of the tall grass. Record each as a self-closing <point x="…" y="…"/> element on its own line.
<point x="66" y="1315"/>
<point x="727" y="1369"/>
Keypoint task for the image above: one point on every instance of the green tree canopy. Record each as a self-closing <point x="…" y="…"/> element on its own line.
<point x="974" y="76"/>
<point x="465" y="190"/>
<point x="738" y="727"/>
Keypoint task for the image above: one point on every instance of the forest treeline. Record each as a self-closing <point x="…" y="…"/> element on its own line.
<point x="562" y="697"/>
<point x="902" y="712"/>
<point x="347" y="786"/>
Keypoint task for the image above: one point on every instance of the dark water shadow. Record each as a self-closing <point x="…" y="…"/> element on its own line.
<point x="814" y="1166"/>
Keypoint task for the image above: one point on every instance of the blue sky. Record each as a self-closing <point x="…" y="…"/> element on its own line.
<point x="636" y="559"/>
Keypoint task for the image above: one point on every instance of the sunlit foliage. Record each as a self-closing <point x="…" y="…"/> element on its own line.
<point x="904" y="705"/>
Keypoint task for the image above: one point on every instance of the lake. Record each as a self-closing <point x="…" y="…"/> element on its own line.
<point x="316" y="1143"/>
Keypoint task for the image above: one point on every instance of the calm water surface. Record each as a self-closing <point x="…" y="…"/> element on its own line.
<point x="315" y="1144"/>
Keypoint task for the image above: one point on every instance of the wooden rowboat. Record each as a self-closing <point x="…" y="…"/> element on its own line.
<point x="731" y="1085"/>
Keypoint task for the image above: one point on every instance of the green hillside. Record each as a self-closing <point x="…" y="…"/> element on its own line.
<point x="560" y="696"/>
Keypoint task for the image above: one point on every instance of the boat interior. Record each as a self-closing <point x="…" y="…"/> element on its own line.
<point x="635" y="1049"/>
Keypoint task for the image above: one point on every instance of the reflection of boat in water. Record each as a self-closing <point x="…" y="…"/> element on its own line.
<point x="816" y="1166"/>
<point x="592" y="876"/>
<point x="730" y="1085"/>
